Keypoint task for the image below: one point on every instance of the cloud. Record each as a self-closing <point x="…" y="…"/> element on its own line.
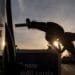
<point x="21" y="5"/>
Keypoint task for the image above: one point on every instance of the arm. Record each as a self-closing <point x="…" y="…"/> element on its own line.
<point x="69" y="36"/>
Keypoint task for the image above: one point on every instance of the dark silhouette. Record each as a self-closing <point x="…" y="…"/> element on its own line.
<point x="54" y="31"/>
<point x="68" y="42"/>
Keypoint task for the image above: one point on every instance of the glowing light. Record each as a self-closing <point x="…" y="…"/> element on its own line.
<point x="55" y="43"/>
<point x="58" y="44"/>
<point x="65" y="53"/>
<point x="3" y="44"/>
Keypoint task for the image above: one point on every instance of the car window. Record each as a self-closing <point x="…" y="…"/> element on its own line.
<point x="61" y="12"/>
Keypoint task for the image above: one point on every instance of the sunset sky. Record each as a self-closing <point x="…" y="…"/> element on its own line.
<point x="59" y="11"/>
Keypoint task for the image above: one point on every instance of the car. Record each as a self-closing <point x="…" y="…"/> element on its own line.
<point x="38" y="61"/>
<point x="29" y="62"/>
